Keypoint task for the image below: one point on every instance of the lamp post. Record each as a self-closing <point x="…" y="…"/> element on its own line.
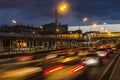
<point x="62" y="8"/>
<point x="56" y="19"/>
<point x="91" y="36"/>
<point x="83" y="20"/>
<point x="93" y="25"/>
<point x="104" y="26"/>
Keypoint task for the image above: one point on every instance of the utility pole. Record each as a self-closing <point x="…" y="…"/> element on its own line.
<point x="56" y="20"/>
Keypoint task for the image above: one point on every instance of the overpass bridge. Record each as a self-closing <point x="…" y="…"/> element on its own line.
<point x="28" y="42"/>
<point x="102" y="38"/>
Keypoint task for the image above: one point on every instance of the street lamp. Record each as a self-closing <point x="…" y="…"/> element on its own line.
<point x="104" y="26"/>
<point x="91" y="35"/>
<point x="14" y="21"/>
<point x="62" y="8"/>
<point x="83" y="20"/>
<point x="79" y="35"/>
<point x="57" y="30"/>
<point x="41" y="27"/>
<point x="93" y="25"/>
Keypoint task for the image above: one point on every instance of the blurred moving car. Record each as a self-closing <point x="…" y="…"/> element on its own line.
<point x="114" y="49"/>
<point x="91" y="59"/>
<point x="70" y="52"/>
<point x="55" y="55"/>
<point x="24" y="58"/>
<point x="109" y="49"/>
<point x="65" y="72"/>
<point x="27" y="73"/>
<point x="103" y="53"/>
<point x="70" y="60"/>
<point x="61" y="54"/>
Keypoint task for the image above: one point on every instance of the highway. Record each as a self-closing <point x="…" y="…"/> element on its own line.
<point x="63" y="71"/>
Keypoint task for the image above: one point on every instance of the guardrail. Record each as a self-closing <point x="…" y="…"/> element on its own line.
<point x="107" y="73"/>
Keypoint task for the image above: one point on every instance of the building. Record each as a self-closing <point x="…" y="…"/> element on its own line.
<point x="108" y="35"/>
<point x="19" y="29"/>
<point x="90" y="35"/>
<point x="52" y="29"/>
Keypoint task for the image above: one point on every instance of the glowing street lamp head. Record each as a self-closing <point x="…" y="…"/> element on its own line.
<point x="63" y="7"/>
<point x="41" y="27"/>
<point x="104" y="23"/>
<point x="14" y="21"/>
<point x="85" y="19"/>
<point x="57" y="30"/>
<point x="94" y="25"/>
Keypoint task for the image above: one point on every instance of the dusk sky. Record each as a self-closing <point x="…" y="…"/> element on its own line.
<point x="37" y="12"/>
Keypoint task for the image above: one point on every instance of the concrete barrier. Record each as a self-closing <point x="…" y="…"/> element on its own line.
<point x="107" y="73"/>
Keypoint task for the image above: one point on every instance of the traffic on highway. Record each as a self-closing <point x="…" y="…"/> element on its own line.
<point x="79" y="63"/>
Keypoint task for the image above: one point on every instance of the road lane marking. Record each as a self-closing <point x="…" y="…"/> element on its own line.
<point x="114" y="68"/>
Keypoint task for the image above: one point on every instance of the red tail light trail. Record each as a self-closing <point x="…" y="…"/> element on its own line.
<point x="106" y="53"/>
<point x="75" y="69"/>
<point x="55" y="68"/>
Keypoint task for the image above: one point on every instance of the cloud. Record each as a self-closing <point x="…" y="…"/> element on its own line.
<point x="96" y="8"/>
<point x="42" y="11"/>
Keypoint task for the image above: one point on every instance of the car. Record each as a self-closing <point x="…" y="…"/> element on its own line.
<point x="103" y="53"/>
<point x="91" y="59"/>
<point x="24" y="57"/>
<point x="114" y="49"/>
<point x="55" y="55"/>
<point x="67" y="72"/>
<point x="109" y="49"/>
<point x="69" y="52"/>
<point x="70" y="60"/>
<point x="26" y="73"/>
